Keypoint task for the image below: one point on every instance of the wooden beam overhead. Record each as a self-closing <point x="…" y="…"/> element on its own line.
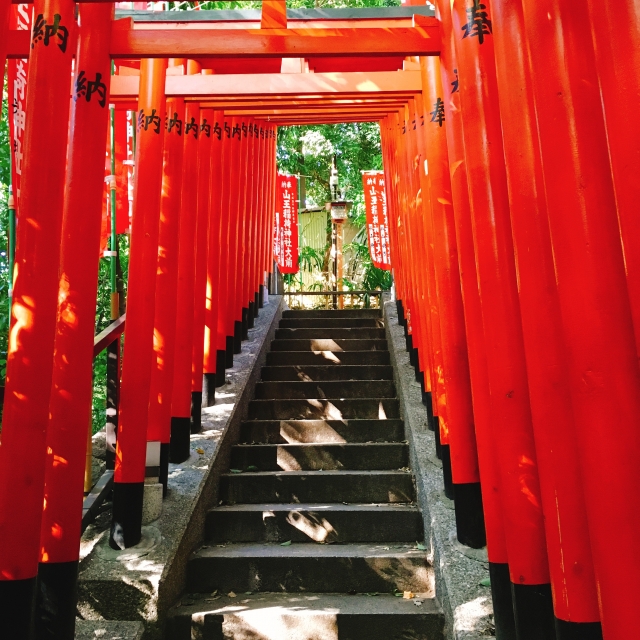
<point x="423" y="40"/>
<point x="269" y="84"/>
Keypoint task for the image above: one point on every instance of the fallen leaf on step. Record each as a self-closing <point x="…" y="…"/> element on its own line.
<point x="212" y="599"/>
<point x="252" y="467"/>
<point x="214" y="593"/>
<point x="418" y="603"/>
<point x="200" y="451"/>
<point x="286" y="544"/>
<point x="232" y="595"/>
<point x="420" y="546"/>
<point x="408" y="595"/>
<point x="485" y="582"/>
<point x="235" y="470"/>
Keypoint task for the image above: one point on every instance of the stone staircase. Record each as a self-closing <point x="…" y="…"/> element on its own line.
<point x="315" y="536"/>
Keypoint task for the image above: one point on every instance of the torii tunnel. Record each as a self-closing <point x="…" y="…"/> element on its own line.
<point x="511" y="149"/>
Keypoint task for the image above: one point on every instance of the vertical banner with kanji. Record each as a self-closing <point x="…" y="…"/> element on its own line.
<point x="285" y="233"/>
<point x="375" y="200"/>
<point x="20" y="18"/>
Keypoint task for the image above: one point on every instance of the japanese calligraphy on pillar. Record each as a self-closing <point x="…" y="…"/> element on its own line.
<point x="375" y="200"/>
<point x="17" y="88"/>
<point x="285" y="233"/>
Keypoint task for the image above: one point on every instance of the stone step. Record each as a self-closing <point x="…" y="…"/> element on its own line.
<point x="324" y="523"/>
<point x="309" y="616"/>
<point x="332" y="313"/>
<point x="320" y="457"/>
<point x="321" y="431"/>
<point x="328" y="344"/>
<point x="360" y="333"/>
<point x="295" y="323"/>
<point x="309" y="373"/>
<point x="317" y="486"/>
<point x="303" y="567"/>
<point x="290" y="390"/>
<point x="328" y="409"/>
<point x="328" y="358"/>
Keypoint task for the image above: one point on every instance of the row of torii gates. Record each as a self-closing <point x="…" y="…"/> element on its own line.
<point x="511" y="148"/>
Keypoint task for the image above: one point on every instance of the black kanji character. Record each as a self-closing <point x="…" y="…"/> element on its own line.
<point x="43" y="31"/>
<point x="206" y="127"/>
<point x="175" y="122"/>
<point x="192" y="126"/>
<point x="437" y="115"/>
<point x="456" y="83"/>
<point x="217" y="130"/>
<point x="227" y="129"/>
<point x="478" y="23"/>
<point x="152" y="120"/>
<point x="86" y="88"/>
<point x="244" y="129"/>
<point x="236" y="131"/>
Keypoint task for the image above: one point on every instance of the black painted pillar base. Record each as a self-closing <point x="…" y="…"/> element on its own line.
<point x="237" y="336"/>
<point x="244" y="323"/>
<point x="256" y="304"/>
<point x="419" y="374"/>
<point x="578" y="630"/>
<point x="426" y="395"/>
<point x="180" y="444"/>
<point x="208" y="390"/>
<point x="195" y="423"/>
<point x="229" y="350"/>
<point x="251" y="316"/>
<point x="261" y="297"/>
<point x="163" y="473"/>
<point x="110" y="460"/>
<point x="427" y="400"/>
<point x="436" y="431"/>
<point x="126" y="521"/>
<point x="409" y="343"/>
<point x="533" y="608"/>
<point x="221" y="357"/>
<point x="17" y="607"/>
<point x="446" y="471"/>
<point x="469" y="515"/>
<point x="502" y="601"/>
<point x="400" y="308"/>
<point x="56" y="600"/>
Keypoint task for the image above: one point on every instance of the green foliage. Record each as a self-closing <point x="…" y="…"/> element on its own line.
<point x="308" y="150"/>
<point x="291" y="4"/>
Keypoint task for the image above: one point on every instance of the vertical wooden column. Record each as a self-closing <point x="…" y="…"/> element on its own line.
<point x="563" y="501"/>
<point x="185" y="302"/>
<point x="164" y="329"/>
<point x="200" y="284"/>
<point x="234" y="326"/>
<point x="596" y="313"/>
<point x="224" y="340"/>
<point x="143" y="260"/>
<point x="252" y="283"/>
<point x="5" y="8"/>
<point x="616" y="38"/>
<point x="245" y="221"/>
<point x="71" y="390"/>
<point x="489" y="473"/>
<point x="213" y="365"/>
<point x="524" y="526"/>
<point x="34" y="309"/>
<point x="457" y="381"/>
<point x="266" y="239"/>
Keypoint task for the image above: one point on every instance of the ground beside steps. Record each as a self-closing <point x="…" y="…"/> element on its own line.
<point x="315" y="534"/>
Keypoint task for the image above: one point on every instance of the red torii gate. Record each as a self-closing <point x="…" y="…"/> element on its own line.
<point x="515" y="260"/>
